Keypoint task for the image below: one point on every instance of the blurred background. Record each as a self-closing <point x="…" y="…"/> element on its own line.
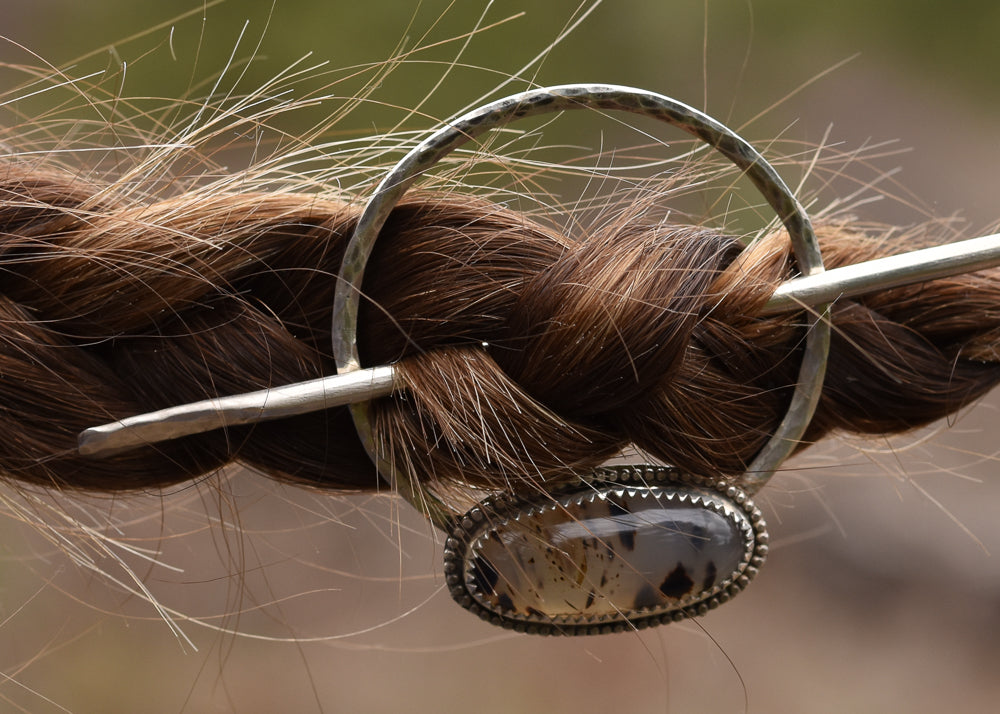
<point x="882" y="592"/>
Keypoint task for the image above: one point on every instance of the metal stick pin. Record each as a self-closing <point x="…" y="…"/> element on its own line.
<point x="363" y="385"/>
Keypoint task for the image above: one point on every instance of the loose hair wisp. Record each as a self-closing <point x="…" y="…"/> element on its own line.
<point x="558" y="546"/>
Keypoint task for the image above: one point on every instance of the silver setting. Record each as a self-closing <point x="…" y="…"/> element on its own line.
<point x="666" y="486"/>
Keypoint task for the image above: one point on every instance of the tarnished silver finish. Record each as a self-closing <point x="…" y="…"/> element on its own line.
<point x="632" y="548"/>
<point x="917" y="266"/>
<point x="557" y="99"/>
<point x="249" y="408"/>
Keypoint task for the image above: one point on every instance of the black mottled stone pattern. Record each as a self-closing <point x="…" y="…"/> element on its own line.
<point x="625" y="553"/>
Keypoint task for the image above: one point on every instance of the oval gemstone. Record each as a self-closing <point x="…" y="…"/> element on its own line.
<point x="609" y="554"/>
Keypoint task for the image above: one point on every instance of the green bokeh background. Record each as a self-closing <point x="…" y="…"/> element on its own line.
<point x="879" y="596"/>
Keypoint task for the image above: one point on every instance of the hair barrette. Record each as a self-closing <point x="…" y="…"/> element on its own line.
<point x="624" y="547"/>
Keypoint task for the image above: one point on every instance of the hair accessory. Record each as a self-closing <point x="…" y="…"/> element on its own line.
<point x="624" y="547"/>
<point x="562" y="564"/>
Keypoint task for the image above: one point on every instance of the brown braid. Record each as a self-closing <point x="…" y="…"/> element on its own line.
<point x="525" y="352"/>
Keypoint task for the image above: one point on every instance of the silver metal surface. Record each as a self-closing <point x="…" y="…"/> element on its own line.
<point x="585" y="561"/>
<point x="249" y="408"/>
<point x="917" y="266"/>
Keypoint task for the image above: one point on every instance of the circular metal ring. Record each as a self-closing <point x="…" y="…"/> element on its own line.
<point x="557" y="99"/>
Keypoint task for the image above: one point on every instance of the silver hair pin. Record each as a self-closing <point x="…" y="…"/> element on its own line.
<point x="624" y="547"/>
<point x="363" y="385"/>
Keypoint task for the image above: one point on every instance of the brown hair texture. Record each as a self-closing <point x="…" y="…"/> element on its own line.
<point x="527" y="354"/>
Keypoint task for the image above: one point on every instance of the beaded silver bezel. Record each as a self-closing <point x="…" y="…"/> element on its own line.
<point x="663" y="483"/>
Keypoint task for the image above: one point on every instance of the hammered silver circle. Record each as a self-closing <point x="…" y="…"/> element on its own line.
<point x="563" y="98"/>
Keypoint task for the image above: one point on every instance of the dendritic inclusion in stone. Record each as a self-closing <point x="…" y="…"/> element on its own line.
<point x="611" y="555"/>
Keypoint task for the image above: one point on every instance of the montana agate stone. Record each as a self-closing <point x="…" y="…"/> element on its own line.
<point x="608" y="556"/>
